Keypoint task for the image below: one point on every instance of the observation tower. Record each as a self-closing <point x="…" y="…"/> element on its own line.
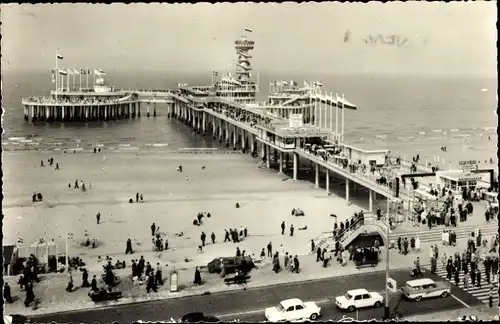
<point x="243" y="47"/>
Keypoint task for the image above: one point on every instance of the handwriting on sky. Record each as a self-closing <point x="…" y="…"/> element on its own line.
<point x="385" y="39"/>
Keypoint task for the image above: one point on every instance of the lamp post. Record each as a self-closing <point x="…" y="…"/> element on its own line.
<point x="387" y="231"/>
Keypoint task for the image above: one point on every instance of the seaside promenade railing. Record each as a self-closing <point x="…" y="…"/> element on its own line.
<point x="53" y="101"/>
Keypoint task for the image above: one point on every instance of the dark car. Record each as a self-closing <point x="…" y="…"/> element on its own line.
<point x="231" y="264"/>
<point x="198" y="317"/>
<point x="16" y="319"/>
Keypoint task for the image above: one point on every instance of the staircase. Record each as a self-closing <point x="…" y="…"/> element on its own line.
<point x="434" y="235"/>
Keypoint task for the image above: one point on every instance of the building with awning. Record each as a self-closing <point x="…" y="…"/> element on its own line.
<point x="457" y="180"/>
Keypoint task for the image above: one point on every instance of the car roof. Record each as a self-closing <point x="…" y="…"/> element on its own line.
<point x="290" y="302"/>
<point x="419" y="282"/>
<point x="357" y="292"/>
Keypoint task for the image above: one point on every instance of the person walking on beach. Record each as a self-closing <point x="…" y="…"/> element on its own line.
<point x="226" y="236"/>
<point x="98" y="217"/>
<point x="57" y="166"/>
<point x="203" y="238"/>
<point x="291" y="230"/>
<point x="269" y="250"/>
<point x="153" y="229"/>
<point x="283" y="228"/>
<point x="76" y="184"/>
<point x="129" y="247"/>
<point x="41" y="163"/>
<point x="137" y="197"/>
<point x="212" y="236"/>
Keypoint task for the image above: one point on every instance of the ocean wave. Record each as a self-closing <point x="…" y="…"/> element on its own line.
<point x="437" y="130"/>
<point x="421" y="133"/>
<point x="381" y="136"/>
<point x="454" y="130"/>
<point x="16" y="138"/>
<point x="123" y="145"/>
<point x="159" y="144"/>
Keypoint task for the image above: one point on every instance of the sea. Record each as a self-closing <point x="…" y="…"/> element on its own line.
<point x="407" y="115"/>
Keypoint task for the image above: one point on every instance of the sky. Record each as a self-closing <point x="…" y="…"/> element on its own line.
<point x="435" y="38"/>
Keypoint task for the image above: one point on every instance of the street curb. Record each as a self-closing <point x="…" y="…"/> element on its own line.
<point x="205" y="293"/>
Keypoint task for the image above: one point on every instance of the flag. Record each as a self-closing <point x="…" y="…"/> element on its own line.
<point x="83" y="71"/>
<point x="284" y="83"/>
<point x="101" y="72"/>
<point x="248" y="29"/>
<point x="63" y="72"/>
<point x="293" y="83"/>
<point x="59" y="56"/>
<point x="215" y="73"/>
<point x="89" y="71"/>
<point x="76" y="72"/>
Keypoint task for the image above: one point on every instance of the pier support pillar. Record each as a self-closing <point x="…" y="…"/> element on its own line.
<point x="86" y="113"/>
<point x="316" y="175"/>
<point x="139" y="109"/>
<point x="147" y="113"/>
<point x="243" y="139"/>
<point x="281" y="162"/>
<point x="203" y="122"/>
<point x="33" y="111"/>
<point x="62" y="112"/>
<point x="268" y="156"/>
<point x="105" y="112"/>
<point x="227" y="131"/>
<point x="370" y="201"/>
<point x="252" y="145"/>
<point x="347" y="191"/>
<point x="327" y="182"/>
<point x="263" y="150"/>
<point x="275" y="155"/>
<point x="234" y="136"/>
<point x="295" y="165"/>
<point x="154" y="110"/>
<point x="287" y="159"/>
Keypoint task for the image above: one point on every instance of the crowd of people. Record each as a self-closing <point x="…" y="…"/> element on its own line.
<point x="72" y="100"/>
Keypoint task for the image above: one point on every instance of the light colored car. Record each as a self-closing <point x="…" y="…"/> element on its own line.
<point x="359" y="298"/>
<point x="425" y="288"/>
<point x="293" y="310"/>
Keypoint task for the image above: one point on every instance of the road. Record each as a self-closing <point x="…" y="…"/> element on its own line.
<point x="249" y="305"/>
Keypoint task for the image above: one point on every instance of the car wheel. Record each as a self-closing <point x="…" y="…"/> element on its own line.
<point x="313" y="316"/>
<point x="351" y="309"/>
<point x="444" y="294"/>
<point x="418" y="298"/>
<point x="377" y="304"/>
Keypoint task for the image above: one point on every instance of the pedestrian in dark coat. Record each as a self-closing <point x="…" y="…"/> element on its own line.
<point x="457" y="277"/>
<point x="478" y="278"/>
<point x="400" y="244"/>
<point x="212" y="236"/>
<point x="296" y="264"/>
<point x="128" y="249"/>
<point x="238" y="252"/>
<point x="153" y="229"/>
<point x="69" y="288"/>
<point x="85" y="279"/>
<point x="98" y="217"/>
<point x="283" y="228"/>
<point x="151" y="284"/>
<point x="6" y="292"/>
<point x="158" y="276"/>
<point x="134" y="269"/>
<point x="197" y="277"/>
<point x="30" y="295"/>
<point x="269" y="250"/>
<point x="203" y="238"/>
<point x="313" y="245"/>
<point x="405" y="246"/>
<point x="245" y="232"/>
<point x="318" y="254"/>
<point x="226" y="236"/>
<point x="291" y="230"/>
<point x="93" y="284"/>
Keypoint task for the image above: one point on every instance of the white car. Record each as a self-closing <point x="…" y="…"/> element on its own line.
<point x="293" y="310"/>
<point x="358" y="298"/>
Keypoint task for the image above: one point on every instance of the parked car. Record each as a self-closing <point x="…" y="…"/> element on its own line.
<point x="197" y="317"/>
<point x="425" y="288"/>
<point x="359" y="298"/>
<point x="15" y="319"/>
<point x="292" y="310"/>
<point x="231" y="264"/>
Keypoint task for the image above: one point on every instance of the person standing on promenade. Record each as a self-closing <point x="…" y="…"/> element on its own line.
<point x="269" y="250"/>
<point x="30" y="295"/>
<point x="93" y="284"/>
<point x="6" y="292"/>
<point x="295" y="264"/>
<point x="151" y="284"/>
<point x="291" y="230"/>
<point x="312" y="246"/>
<point x="283" y="228"/>
<point x="98" y="217"/>
<point x="212" y="236"/>
<point x="69" y="288"/>
<point x="85" y="279"/>
<point x="137" y="197"/>
<point x="158" y="275"/>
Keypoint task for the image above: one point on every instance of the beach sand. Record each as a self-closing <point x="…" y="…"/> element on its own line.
<point x="266" y="199"/>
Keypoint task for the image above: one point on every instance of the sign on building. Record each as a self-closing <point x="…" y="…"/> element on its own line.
<point x="467" y="165"/>
<point x="296" y="121"/>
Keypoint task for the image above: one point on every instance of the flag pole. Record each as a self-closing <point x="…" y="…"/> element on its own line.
<point x="337" y="116"/>
<point x="80" y="81"/>
<point x="331" y="112"/>
<point x="319" y="108"/>
<point x="343" y="109"/>
<point x="57" y="71"/>
<point x="87" y="74"/>
<point x="73" y="86"/>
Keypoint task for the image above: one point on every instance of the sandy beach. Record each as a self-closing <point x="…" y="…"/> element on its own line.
<point x="170" y="200"/>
